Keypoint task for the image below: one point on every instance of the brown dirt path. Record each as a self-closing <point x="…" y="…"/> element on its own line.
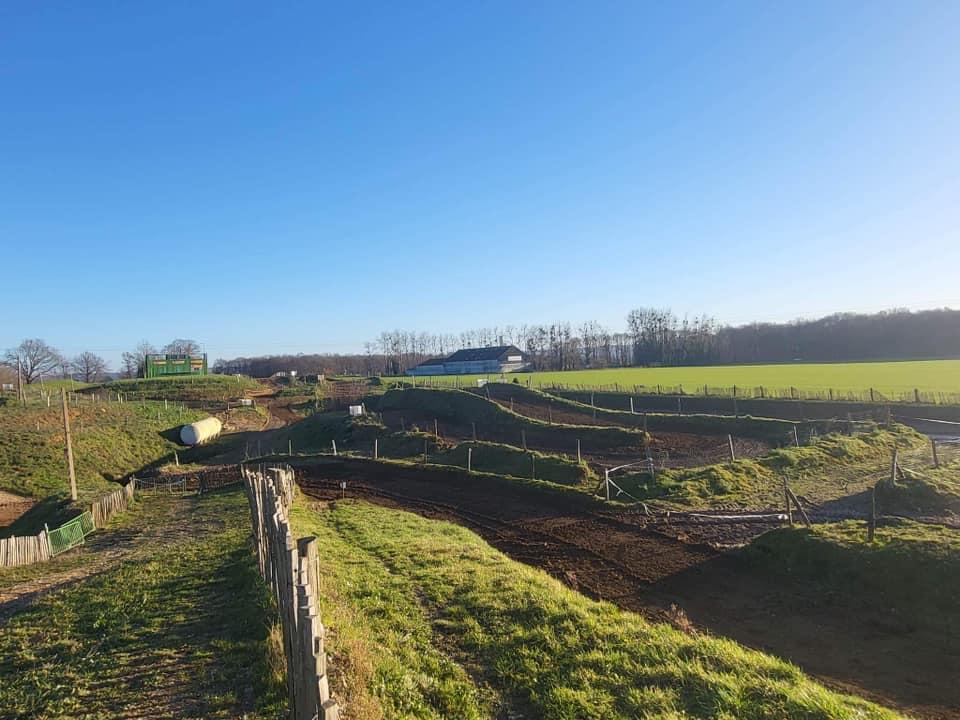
<point x="644" y="565"/>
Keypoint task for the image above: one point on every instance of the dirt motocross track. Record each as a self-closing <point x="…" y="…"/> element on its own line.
<point x="666" y="569"/>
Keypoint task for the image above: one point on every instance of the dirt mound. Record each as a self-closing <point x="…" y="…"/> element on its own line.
<point x="654" y="565"/>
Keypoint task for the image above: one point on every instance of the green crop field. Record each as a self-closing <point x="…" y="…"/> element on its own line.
<point x="888" y="378"/>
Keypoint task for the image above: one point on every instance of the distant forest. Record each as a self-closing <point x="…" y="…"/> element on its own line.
<point x="652" y="338"/>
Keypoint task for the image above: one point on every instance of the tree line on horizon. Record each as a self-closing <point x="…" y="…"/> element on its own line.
<point x="35" y="359"/>
<point x="652" y="337"/>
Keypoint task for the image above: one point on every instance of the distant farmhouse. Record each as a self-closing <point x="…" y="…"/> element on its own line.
<point x="474" y="361"/>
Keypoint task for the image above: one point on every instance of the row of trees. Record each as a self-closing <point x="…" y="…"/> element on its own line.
<point x="651" y="337"/>
<point x="35" y="359"/>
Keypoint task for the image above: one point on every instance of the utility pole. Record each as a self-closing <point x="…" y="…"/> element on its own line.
<point x="21" y="393"/>
<point x="69" y="443"/>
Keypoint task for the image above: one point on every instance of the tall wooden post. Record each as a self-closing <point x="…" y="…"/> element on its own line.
<point x="69" y="445"/>
<point x="733" y="455"/>
<point x="469" y="459"/>
<point x="578" y="450"/>
<point x="933" y="447"/>
<point x="21" y="393"/>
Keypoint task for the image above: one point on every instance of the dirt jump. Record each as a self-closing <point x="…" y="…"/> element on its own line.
<point x="667" y="568"/>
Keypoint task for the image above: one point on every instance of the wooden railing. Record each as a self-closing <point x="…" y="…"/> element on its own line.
<point x="290" y="568"/>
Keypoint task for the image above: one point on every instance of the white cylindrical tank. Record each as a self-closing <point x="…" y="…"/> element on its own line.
<point x="200" y="431"/>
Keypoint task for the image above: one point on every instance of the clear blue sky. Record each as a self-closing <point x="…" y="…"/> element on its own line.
<point x="298" y="176"/>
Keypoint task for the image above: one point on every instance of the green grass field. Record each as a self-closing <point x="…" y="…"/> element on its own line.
<point x="110" y="440"/>
<point x="181" y="628"/>
<point x="431" y="622"/>
<point x="889" y="378"/>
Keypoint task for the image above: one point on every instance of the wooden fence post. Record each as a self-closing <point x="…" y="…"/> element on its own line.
<point x="733" y="455"/>
<point x="933" y="447"/>
<point x="69" y="446"/>
<point x="786" y="499"/>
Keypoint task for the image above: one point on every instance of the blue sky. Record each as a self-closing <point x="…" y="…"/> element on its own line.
<point x="299" y="176"/>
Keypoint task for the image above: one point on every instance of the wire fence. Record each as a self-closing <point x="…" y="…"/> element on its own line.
<point x="744" y="392"/>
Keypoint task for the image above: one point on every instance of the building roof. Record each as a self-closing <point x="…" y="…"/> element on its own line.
<point x="487" y="353"/>
<point x="431" y="361"/>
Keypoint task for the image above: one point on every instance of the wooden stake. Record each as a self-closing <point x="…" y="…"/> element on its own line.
<point x="733" y="455"/>
<point x="436" y="429"/>
<point x="334" y="443"/>
<point x="933" y="447"/>
<point x="376" y="448"/>
<point x="796" y="503"/>
<point x="523" y="438"/>
<point x="631" y="406"/>
<point x="469" y="459"/>
<point x="796" y="437"/>
<point x="473" y="427"/>
<point x="786" y="499"/>
<point x="69" y="446"/>
<point x="578" y="450"/>
<point x="894" y="465"/>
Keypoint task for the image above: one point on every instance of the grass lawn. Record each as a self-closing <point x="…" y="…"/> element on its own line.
<point x="891" y="378"/>
<point x="181" y="630"/>
<point x="425" y="620"/>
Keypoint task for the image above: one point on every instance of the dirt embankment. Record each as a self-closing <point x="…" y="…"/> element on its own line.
<point x="668" y="449"/>
<point x="13" y="506"/>
<point x="661" y="567"/>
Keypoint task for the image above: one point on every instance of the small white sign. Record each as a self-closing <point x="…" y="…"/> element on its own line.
<point x="356" y="410"/>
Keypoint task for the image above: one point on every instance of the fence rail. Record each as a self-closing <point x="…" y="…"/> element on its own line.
<point x="290" y="568"/>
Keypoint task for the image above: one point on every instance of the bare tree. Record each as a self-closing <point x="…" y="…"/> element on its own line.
<point x="134" y="362"/>
<point x="182" y="346"/>
<point x="89" y="367"/>
<point x="35" y="359"/>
